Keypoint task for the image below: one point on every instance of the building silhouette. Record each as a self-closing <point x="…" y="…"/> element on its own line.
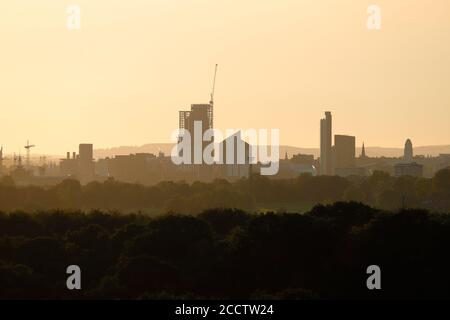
<point x="235" y="162"/>
<point x="325" y="144"/>
<point x="145" y="168"/>
<point x="344" y="154"/>
<point x="197" y="121"/>
<point x="86" y="162"/>
<point x="408" y="151"/>
<point x="69" y="166"/>
<point x="408" y="169"/>
<point x="363" y="152"/>
<point x="79" y="166"/>
<point x="307" y="159"/>
<point x="201" y="117"/>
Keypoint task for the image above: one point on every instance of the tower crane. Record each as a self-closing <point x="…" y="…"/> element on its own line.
<point x="211" y="103"/>
<point x="213" y="87"/>
<point x="28" y="147"/>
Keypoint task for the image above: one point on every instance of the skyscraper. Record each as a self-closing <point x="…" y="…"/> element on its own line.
<point x="325" y="145"/>
<point x="202" y="114"/>
<point x="408" y="151"/>
<point x="200" y="117"/>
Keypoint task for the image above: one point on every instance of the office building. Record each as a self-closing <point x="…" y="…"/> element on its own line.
<point x="344" y="152"/>
<point x="325" y="144"/>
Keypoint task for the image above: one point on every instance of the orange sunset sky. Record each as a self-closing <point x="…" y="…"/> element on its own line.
<point x="121" y="78"/>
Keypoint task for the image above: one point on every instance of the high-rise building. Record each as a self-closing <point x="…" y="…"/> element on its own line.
<point x="200" y="116"/>
<point x="196" y="122"/>
<point x="408" y="151"/>
<point x="344" y="152"/>
<point x="325" y="145"/>
<point x="86" y="162"/>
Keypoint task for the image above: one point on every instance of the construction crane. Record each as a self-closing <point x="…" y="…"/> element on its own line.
<point x="28" y="147"/>
<point x="211" y="103"/>
<point x="213" y="87"/>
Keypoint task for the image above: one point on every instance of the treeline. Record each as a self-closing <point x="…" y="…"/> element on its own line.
<point x="224" y="253"/>
<point x="258" y="192"/>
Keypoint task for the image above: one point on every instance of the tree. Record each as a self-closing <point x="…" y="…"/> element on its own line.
<point x="353" y="193"/>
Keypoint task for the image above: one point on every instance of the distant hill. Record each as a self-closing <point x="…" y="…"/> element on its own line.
<point x="370" y="151"/>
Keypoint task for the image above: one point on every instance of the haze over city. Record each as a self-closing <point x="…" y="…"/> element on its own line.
<point x="213" y="158"/>
<point x="122" y="78"/>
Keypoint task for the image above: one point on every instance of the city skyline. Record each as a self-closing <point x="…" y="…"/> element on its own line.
<point x="165" y="147"/>
<point x="296" y="60"/>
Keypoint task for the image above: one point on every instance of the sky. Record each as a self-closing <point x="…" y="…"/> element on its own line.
<point x="122" y="78"/>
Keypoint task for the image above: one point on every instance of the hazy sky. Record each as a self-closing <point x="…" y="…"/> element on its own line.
<point x="122" y="78"/>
